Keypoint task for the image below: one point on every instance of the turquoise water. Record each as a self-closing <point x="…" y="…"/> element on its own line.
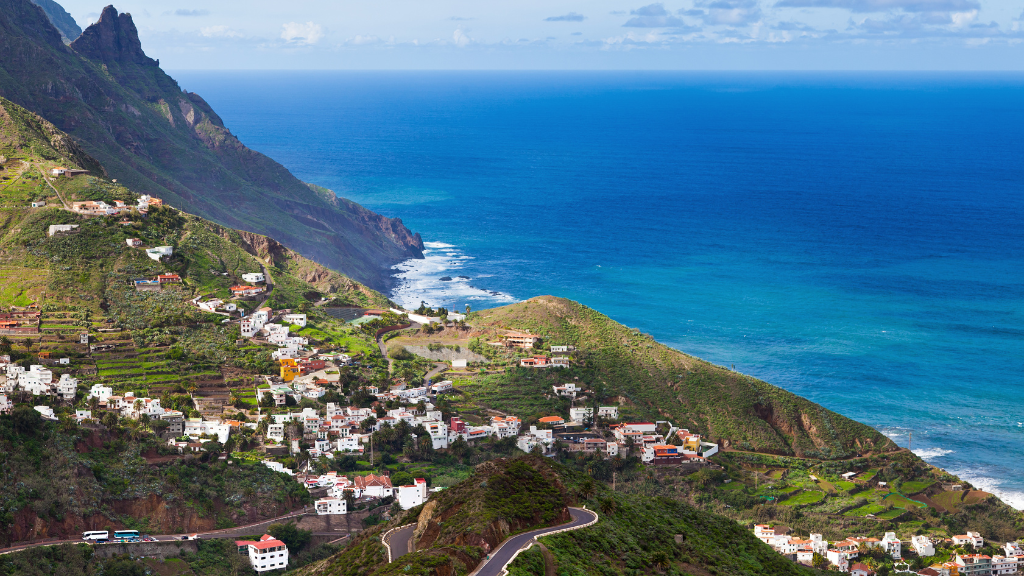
<point x="853" y="238"/>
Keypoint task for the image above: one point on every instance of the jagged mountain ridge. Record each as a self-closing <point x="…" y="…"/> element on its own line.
<point x="158" y="139"/>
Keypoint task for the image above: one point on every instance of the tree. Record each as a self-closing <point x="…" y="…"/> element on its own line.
<point x="819" y="562"/>
<point x="27" y="421"/>
<point x="607" y="505"/>
<point x="267" y="401"/>
<point x="587" y="489"/>
<point x="401" y="479"/>
<point x="110" y="420"/>
<point x="291" y="535"/>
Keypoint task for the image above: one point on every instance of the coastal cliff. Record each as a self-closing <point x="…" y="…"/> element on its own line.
<point x="156" y="138"/>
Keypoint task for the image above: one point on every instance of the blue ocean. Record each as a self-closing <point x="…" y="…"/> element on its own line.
<point x="857" y="239"/>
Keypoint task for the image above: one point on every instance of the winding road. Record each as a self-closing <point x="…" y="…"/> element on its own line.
<point x="398" y="542"/>
<point x="502" y="556"/>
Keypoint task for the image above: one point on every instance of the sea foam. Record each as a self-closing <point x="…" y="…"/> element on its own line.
<point x="420" y="280"/>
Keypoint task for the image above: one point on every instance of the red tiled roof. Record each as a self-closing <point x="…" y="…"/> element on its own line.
<point x="264" y="544"/>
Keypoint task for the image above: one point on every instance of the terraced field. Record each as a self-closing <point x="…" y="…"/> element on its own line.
<point x="809" y="497"/>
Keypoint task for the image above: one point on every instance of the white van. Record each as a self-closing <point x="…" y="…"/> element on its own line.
<point x="96" y="535"/>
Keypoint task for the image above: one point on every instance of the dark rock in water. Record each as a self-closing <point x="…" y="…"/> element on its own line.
<point x="464" y="277"/>
<point x="445" y="278"/>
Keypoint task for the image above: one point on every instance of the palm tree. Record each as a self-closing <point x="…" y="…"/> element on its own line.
<point x="587" y="489"/>
<point x="608" y="505"/>
<point x="660" y="560"/>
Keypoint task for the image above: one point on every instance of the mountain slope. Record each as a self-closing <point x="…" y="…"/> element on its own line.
<point x="156" y="138"/>
<point x="658" y="382"/>
<point x="61" y="20"/>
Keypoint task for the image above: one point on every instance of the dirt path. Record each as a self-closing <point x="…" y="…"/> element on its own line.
<point x="55" y="191"/>
<point x="550" y="566"/>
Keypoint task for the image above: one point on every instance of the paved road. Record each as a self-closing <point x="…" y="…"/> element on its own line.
<point x="236" y="532"/>
<point x="500" y="557"/>
<point x="398" y="541"/>
<point x="438" y="368"/>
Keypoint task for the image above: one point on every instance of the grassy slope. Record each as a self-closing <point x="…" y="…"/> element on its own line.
<point x="663" y="383"/>
<point x="156" y="138"/>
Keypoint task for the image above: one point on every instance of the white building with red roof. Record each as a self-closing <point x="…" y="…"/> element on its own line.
<point x="268" y="553"/>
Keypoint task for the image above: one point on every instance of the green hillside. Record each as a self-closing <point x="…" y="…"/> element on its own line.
<point x="635" y="535"/>
<point x="155" y="138"/>
<point x="655" y="382"/>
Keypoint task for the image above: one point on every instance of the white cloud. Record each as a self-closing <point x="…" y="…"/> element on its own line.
<point x="297" y="33"/>
<point x="219" y="31"/>
<point x="460" y="38"/>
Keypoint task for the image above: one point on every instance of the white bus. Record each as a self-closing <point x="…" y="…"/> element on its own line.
<point x="96" y="535"/>
<point x="126" y="535"/>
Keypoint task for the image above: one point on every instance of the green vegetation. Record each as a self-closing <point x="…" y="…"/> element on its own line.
<point x="802" y="498"/>
<point x="915" y="486"/>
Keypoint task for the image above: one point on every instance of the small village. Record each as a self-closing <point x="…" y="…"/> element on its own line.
<point x="843" y="555"/>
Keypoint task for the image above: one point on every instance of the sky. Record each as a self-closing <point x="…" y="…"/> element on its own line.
<point x="568" y="34"/>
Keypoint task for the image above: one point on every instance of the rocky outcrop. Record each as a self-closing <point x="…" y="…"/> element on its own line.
<point x="112" y="38"/>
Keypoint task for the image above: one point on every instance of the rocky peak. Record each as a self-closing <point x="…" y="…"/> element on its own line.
<point x="113" y="38"/>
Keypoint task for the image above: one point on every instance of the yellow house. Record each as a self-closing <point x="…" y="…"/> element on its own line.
<point x="289" y="369"/>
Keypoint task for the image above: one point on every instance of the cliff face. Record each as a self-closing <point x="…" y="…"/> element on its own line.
<point x="158" y="139"/>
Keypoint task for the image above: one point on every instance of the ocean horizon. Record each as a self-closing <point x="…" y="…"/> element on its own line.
<point x="854" y="238"/>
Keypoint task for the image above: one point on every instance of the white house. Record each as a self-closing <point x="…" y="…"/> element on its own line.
<point x="412" y="495"/>
<point x="562" y="349"/>
<point x="840" y="558"/>
<point x="580" y="414"/>
<point x="1013" y="550"/>
<point x="67" y="386"/>
<point x="254" y="277"/>
<point x="893" y="545"/>
<point x="267" y="554"/>
<point x="443" y="386"/>
<point x="560" y="362"/>
<point x="5" y="404"/>
<point x="83" y="415"/>
<point x="331" y="505"/>
<point x="159" y="251"/>
<point x="60" y="228"/>
<point x="101" y="392"/>
<point x="1004" y="565"/>
<point x="922" y="545"/>
<point x="609" y="412"/>
<point x="275" y="432"/>
<point x="296" y="319"/>
<point x="249" y="327"/>
<point x="971" y="538"/>
<point x="569" y="390"/>
<point x="47" y="412"/>
<point x="535" y="437"/>
<point x="278" y="467"/>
